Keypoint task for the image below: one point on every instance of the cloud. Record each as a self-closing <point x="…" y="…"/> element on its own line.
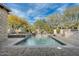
<point x="17" y="12"/>
<point x="37" y="10"/>
<point x="38" y="17"/>
<point x="29" y="12"/>
<point x="62" y="8"/>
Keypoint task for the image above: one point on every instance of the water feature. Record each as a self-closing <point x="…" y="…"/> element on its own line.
<point x="40" y="40"/>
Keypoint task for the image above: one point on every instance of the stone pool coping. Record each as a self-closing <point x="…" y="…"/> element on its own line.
<point x="59" y="39"/>
<point x="17" y="41"/>
<point x="13" y="42"/>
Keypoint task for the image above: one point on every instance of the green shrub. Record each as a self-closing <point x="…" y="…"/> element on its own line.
<point x="52" y="31"/>
<point x="58" y="30"/>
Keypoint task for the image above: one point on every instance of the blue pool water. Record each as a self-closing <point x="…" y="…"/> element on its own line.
<point x="33" y="41"/>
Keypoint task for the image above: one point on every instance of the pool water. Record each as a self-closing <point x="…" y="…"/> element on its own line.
<point x="44" y="41"/>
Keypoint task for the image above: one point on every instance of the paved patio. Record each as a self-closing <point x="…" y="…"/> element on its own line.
<point x="73" y="39"/>
<point x="42" y="51"/>
<point x="11" y="41"/>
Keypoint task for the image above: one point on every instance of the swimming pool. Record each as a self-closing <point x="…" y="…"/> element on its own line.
<point x="43" y="41"/>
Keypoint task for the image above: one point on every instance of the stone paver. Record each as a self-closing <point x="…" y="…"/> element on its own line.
<point x="11" y="41"/>
<point x="74" y="39"/>
<point x="44" y="51"/>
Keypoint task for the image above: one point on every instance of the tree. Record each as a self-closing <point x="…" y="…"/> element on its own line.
<point x="54" y="20"/>
<point x="43" y="26"/>
<point x="71" y="16"/>
<point x="39" y="24"/>
<point x="15" y="22"/>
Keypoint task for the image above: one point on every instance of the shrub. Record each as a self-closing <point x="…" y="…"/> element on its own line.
<point x="58" y="30"/>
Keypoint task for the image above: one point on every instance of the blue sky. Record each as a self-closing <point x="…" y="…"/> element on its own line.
<point x="34" y="11"/>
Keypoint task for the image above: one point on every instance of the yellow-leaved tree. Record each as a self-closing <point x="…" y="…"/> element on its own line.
<point x="15" y="22"/>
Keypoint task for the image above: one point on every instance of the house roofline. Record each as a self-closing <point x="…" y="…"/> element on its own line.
<point x="4" y="7"/>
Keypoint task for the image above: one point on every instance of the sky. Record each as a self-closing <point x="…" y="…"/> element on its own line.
<point x="33" y="11"/>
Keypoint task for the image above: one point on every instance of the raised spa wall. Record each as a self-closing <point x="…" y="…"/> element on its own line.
<point x="3" y="22"/>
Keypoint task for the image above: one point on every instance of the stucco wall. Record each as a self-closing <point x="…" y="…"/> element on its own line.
<point x="3" y="25"/>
